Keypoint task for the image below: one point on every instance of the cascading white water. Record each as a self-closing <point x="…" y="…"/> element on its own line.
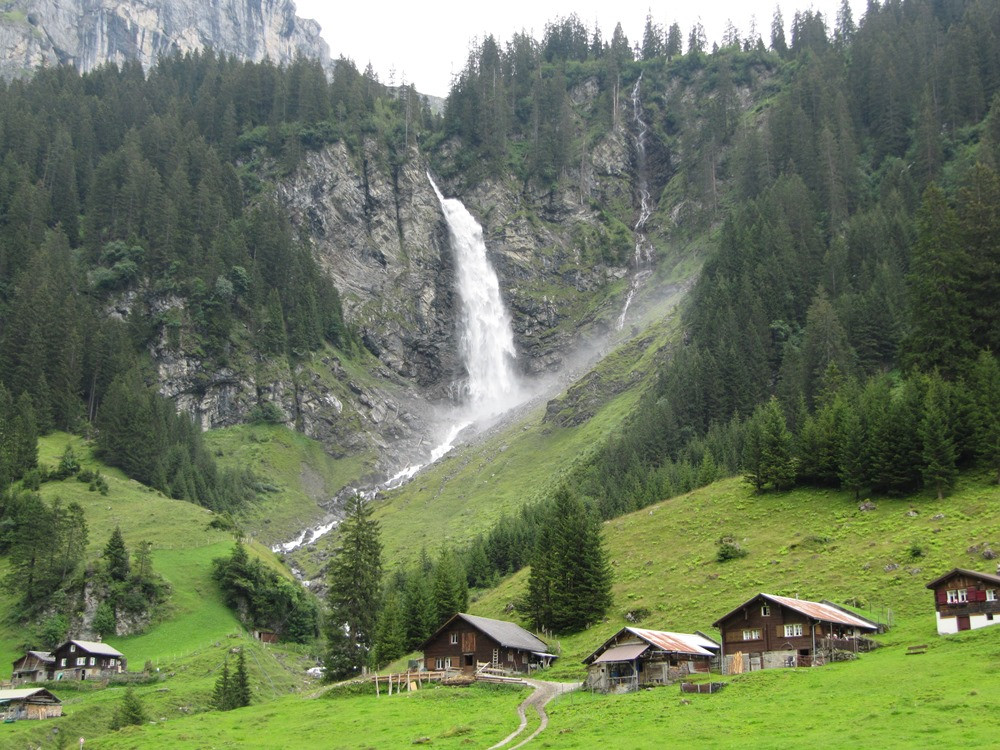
<point x="642" y="257"/>
<point x="487" y="336"/>
<point x="492" y="386"/>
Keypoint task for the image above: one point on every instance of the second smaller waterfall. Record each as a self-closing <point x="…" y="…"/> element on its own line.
<point x="642" y="257"/>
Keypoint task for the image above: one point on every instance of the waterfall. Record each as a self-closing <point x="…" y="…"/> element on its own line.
<point x="492" y="386"/>
<point x="487" y="336"/>
<point x="642" y="256"/>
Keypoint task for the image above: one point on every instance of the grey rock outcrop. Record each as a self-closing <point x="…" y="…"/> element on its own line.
<point x="89" y="33"/>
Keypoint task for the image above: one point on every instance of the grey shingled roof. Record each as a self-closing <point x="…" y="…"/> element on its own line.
<point x="22" y="693"/>
<point x="507" y="634"/>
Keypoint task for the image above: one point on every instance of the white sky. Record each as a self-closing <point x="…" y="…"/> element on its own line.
<point x="428" y="42"/>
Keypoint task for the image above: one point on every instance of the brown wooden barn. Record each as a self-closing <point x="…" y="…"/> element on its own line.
<point x="636" y="657"/>
<point x="965" y="600"/>
<point x="29" y="703"/>
<point x="777" y="631"/>
<point x="467" y="642"/>
<point x="34" y="666"/>
<point x="83" y="660"/>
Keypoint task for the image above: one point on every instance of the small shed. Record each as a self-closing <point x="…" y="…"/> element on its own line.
<point x="29" y="703"/>
<point x="965" y="600"/>
<point x="468" y="642"/>
<point x="265" y="636"/>
<point x="636" y="657"/>
<point x="34" y="666"/>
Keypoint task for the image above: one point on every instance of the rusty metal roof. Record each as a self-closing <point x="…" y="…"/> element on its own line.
<point x="681" y="643"/>
<point x="989" y="577"/>
<point x="821" y="611"/>
<point x="622" y="653"/>
<point x="694" y="644"/>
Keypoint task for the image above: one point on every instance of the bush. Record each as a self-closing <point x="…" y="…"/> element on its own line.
<point x="729" y="549"/>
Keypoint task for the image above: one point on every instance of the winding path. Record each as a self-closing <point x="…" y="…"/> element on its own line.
<point x="543" y="692"/>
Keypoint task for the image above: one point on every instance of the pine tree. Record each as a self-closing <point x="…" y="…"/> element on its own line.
<point x="129" y="712"/>
<point x="569" y="587"/>
<point x="451" y="592"/>
<point x="938" y="441"/>
<point x="390" y="630"/>
<point x="116" y="557"/>
<point x="355" y="587"/>
<point x="222" y="694"/>
<point x="985" y="384"/>
<point x="239" y="685"/>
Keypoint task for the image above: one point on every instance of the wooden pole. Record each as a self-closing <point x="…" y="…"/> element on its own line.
<point x="378" y="692"/>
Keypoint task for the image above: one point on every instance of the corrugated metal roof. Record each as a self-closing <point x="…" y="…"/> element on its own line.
<point x="22" y="693"/>
<point x="964" y="571"/>
<point x="693" y="644"/>
<point x="821" y="611"/>
<point x="681" y="643"/>
<point x="95" y="647"/>
<point x="507" y="634"/>
<point x="622" y="653"/>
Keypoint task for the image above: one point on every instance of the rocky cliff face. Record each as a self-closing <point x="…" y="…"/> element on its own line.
<point x="88" y="33"/>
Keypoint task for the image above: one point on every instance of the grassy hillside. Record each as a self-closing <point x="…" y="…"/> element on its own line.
<point x="814" y="544"/>
<point x="191" y="639"/>
<point x="470" y="489"/>
<point x="299" y="470"/>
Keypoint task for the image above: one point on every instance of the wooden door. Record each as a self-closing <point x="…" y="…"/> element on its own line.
<point x="963" y="622"/>
<point x="468" y="642"/>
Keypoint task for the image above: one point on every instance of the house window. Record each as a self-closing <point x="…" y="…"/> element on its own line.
<point x="91" y="661"/>
<point x="793" y="630"/>
<point x="439" y="663"/>
<point x="991" y="595"/>
<point x="62" y="662"/>
<point x="72" y="647"/>
<point x="81" y="661"/>
<point x="751" y="634"/>
<point x="953" y="596"/>
<point x="454" y="638"/>
<point x="989" y="616"/>
<point x="510" y="656"/>
<point x="447" y="662"/>
<point x="765" y="611"/>
<point x="963" y="596"/>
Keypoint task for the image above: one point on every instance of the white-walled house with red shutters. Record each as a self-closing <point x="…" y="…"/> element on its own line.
<point x="965" y="600"/>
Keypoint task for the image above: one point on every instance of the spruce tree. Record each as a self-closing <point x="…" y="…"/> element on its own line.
<point x="116" y="556"/>
<point x="985" y="384"/>
<point x="355" y="587"/>
<point x="129" y="712"/>
<point x="222" y="694"/>
<point x="239" y="684"/>
<point x="938" y="469"/>
<point x="572" y="569"/>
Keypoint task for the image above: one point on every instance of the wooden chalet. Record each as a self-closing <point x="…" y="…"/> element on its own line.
<point x="467" y="642"/>
<point x="29" y="703"/>
<point x="34" y="666"/>
<point x="965" y="600"/>
<point x="87" y="660"/>
<point x="770" y="631"/>
<point x="636" y="657"/>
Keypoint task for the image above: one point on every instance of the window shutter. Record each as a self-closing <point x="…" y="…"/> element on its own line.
<point x="980" y="595"/>
<point x="942" y="596"/>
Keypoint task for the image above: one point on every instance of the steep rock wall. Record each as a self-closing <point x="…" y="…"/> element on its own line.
<point x="89" y="33"/>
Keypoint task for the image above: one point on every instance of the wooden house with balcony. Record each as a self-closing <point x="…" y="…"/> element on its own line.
<point x="87" y="660"/>
<point x="965" y="600"/>
<point x="466" y="643"/>
<point x="770" y="631"/>
<point x="636" y="657"/>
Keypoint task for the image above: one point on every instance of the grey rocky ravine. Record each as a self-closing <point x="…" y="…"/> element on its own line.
<point x="89" y="33"/>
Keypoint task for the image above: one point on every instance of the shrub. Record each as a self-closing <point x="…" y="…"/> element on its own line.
<point x="729" y="549"/>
